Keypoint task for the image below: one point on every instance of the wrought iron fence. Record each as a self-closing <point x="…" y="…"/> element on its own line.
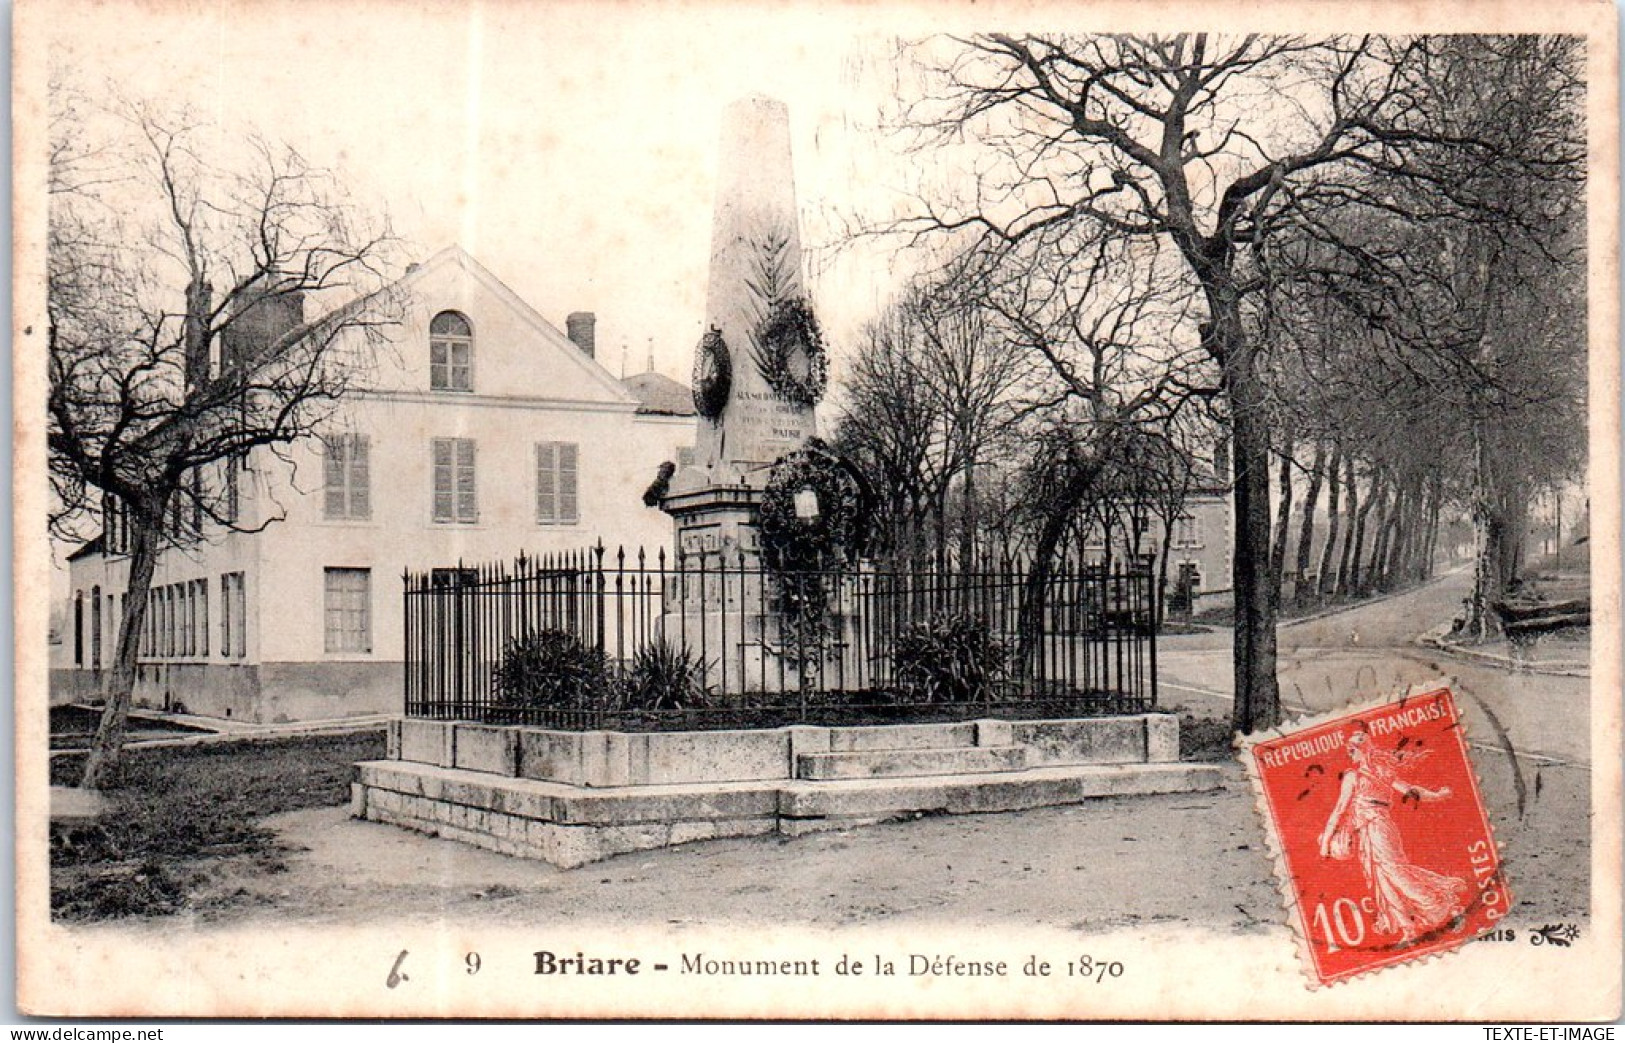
<point x="717" y="641"/>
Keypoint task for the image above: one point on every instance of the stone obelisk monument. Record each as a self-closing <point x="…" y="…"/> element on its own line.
<point x="755" y="263"/>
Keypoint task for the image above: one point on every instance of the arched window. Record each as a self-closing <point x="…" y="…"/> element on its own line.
<point x="451" y="353"/>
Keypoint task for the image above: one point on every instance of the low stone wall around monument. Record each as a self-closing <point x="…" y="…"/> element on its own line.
<point x="599" y="760"/>
<point x="570" y="798"/>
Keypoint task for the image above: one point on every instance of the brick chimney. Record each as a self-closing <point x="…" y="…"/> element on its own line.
<point x="260" y="321"/>
<point x="579" y="325"/>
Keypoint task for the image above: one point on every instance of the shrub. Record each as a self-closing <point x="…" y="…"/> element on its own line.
<point x="948" y="659"/>
<point x="665" y="677"/>
<point x="550" y="669"/>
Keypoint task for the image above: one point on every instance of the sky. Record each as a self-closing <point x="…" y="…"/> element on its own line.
<point x="571" y="147"/>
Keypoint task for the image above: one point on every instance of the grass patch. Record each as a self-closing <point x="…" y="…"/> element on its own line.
<point x="1205" y="739"/>
<point x="178" y="812"/>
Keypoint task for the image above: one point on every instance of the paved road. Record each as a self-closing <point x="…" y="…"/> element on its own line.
<point x="1370" y="651"/>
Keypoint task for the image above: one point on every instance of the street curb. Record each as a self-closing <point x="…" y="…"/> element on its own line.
<point x="1437" y="642"/>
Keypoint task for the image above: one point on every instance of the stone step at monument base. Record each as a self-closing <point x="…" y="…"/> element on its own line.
<point x="904" y="763"/>
<point x="570" y="826"/>
<point x="821" y="807"/>
<point x="905" y="737"/>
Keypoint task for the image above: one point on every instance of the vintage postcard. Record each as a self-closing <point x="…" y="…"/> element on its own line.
<point x="819" y="511"/>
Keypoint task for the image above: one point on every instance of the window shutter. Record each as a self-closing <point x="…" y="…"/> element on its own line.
<point x="333" y="476"/>
<point x="360" y="480"/>
<point x="241" y="594"/>
<point x="567" y="482"/>
<point x="467" y="508"/>
<point x="546" y="483"/>
<point x="443" y="501"/>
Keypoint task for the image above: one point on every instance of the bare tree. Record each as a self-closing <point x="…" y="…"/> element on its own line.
<point x="1110" y="378"/>
<point x="972" y="370"/>
<point x="929" y="398"/>
<point x="1211" y="145"/>
<point x="892" y="429"/>
<point x="1460" y="317"/>
<point x="178" y="282"/>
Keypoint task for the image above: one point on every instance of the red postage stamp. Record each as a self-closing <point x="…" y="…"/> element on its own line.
<point x="1382" y="847"/>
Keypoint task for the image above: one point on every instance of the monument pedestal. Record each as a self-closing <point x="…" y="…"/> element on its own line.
<point x="718" y="520"/>
<point x="726" y="609"/>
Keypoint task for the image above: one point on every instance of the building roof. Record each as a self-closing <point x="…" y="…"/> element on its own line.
<point x="89" y="548"/>
<point x="456" y="256"/>
<point x="659" y="394"/>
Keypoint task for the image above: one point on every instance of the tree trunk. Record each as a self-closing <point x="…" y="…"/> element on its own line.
<point x="1258" y="695"/>
<point x="939" y="509"/>
<point x="1162" y="568"/>
<point x="1334" y="520"/>
<point x="1430" y="543"/>
<point x="967" y="520"/>
<point x="1410" y="531"/>
<point x="1365" y="564"/>
<point x="1283" y="517"/>
<point x="1359" y="570"/>
<point x="1345" y="566"/>
<point x="1035" y="588"/>
<point x="1487" y="570"/>
<point x="1514" y="532"/>
<point x="1387" y="525"/>
<point x="1257" y="691"/>
<point x="108" y="745"/>
<point x="1306" y="527"/>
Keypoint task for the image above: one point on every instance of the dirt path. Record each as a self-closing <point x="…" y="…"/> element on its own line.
<point x="1196" y="859"/>
<point x="1108" y="862"/>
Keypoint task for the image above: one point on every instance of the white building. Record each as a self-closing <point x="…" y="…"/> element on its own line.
<point x="484" y="432"/>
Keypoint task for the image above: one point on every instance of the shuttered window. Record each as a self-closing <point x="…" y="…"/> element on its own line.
<point x="347" y="478"/>
<point x="556" y="497"/>
<point x="202" y="617"/>
<point x="1187" y="531"/>
<point x="348" y="623"/>
<point x="455" y="498"/>
<point x="233" y="616"/>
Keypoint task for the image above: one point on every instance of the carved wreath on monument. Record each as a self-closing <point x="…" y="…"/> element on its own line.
<point x="813" y="513"/>
<point x="790" y="352"/>
<point x="713" y="374"/>
<point x="787" y="343"/>
<point x="812" y="521"/>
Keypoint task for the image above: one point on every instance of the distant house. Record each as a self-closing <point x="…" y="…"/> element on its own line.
<point x="483" y="432"/>
<point x="1199" y="551"/>
<point x="1198" y="547"/>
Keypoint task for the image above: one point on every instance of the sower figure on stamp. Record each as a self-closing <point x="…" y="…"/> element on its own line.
<point x="1409" y="900"/>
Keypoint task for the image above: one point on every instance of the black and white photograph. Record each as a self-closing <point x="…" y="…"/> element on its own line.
<point x="860" y="511"/>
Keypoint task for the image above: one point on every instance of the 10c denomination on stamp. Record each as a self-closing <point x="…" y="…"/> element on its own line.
<point x="1381" y="844"/>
